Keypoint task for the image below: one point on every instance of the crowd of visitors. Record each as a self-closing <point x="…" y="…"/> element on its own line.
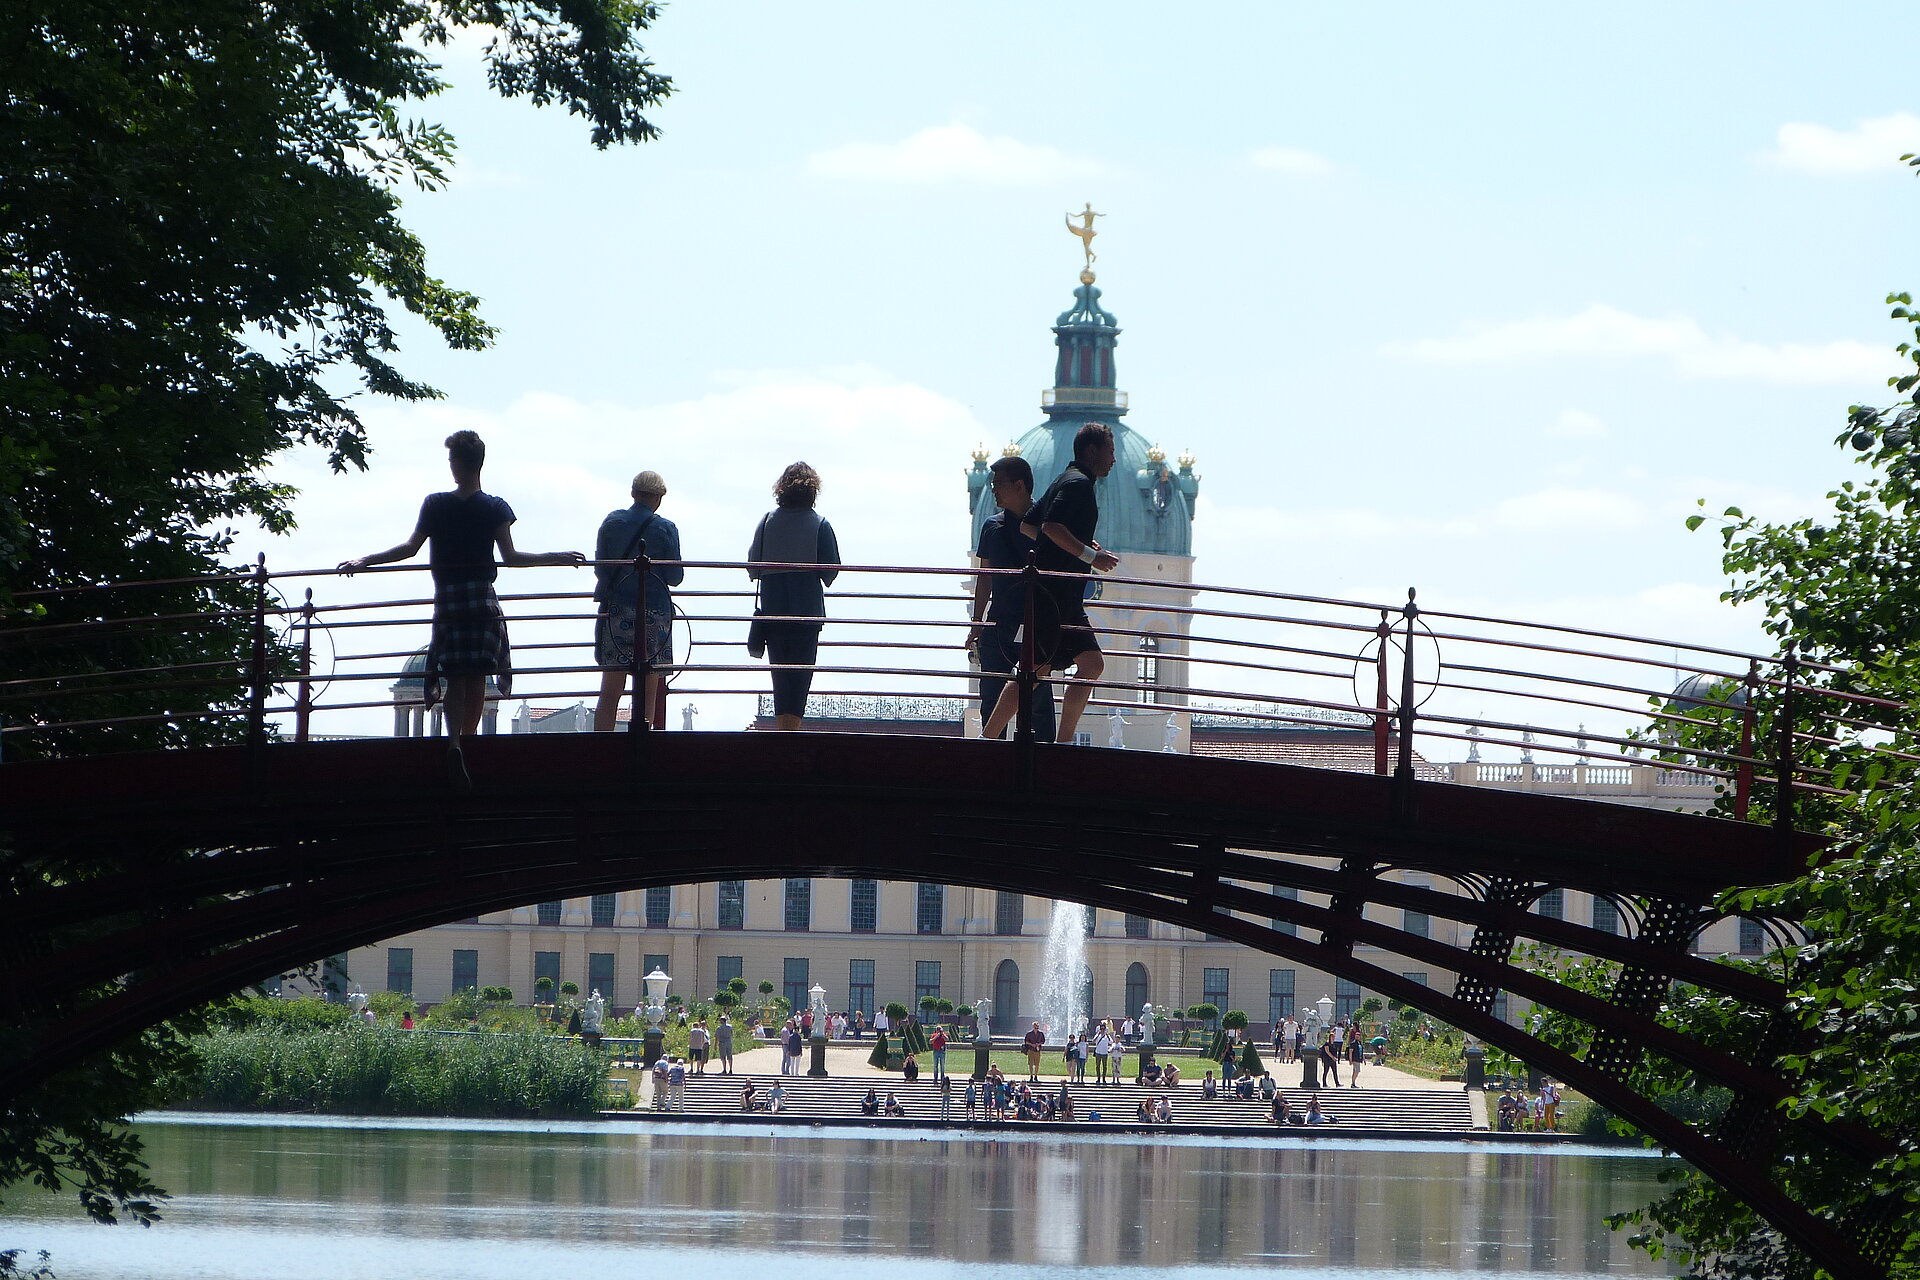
<point x="995" y="1098"/>
<point x="1536" y="1112"/>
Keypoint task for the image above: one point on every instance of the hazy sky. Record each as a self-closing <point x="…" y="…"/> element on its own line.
<point x="1474" y="298"/>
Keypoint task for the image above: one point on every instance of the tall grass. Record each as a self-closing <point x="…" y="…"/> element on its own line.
<point x="356" y="1069"/>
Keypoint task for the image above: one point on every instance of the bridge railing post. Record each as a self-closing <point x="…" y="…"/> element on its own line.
<point x="1403" y="769"/>
<point x="303" y="704"/>
<point x="1382" y="705"/>
<point x="257" y="674"/>
<point x="640" y="661"/>
<point x="1749" y="718"/>
<point x="1783" y="748"/>
<point x="1025" y="678"/>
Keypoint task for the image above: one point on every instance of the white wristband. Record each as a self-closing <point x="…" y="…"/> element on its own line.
<point x="1087" y="553"/>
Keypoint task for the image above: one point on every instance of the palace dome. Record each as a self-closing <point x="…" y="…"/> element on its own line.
<point x="1146" y="503"/>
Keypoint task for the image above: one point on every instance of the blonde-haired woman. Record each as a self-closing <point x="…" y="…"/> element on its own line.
<point x="793" y="600"/>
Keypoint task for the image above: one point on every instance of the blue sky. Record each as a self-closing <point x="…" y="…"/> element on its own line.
<point x="1478" y="299"/>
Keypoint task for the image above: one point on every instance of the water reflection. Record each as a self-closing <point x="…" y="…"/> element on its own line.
<point x="1363" y="1208"/>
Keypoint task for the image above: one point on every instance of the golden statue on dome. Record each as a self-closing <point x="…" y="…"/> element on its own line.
<point x="1086" y="233"/>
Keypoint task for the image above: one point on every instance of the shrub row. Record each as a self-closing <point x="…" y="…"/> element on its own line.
<point x="356" y="1069"/>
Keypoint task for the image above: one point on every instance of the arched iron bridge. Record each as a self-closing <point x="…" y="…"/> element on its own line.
<point x="235" y="846"/>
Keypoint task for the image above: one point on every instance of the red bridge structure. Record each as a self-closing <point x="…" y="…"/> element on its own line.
<point x="179" y="830"/>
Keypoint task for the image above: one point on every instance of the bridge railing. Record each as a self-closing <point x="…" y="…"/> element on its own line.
<point x="260" y="656"/>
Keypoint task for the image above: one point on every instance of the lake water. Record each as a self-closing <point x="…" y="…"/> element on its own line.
<point x="291" y="1198"/>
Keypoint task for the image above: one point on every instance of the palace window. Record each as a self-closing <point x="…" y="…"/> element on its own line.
<point x="466" y="971"/>
<point x="1753" y="937"/>
<point x="794" y="983"/>
<point x="603" y="905"/>
<point x="659" y="906"/>
<point x="865" y="906"/>
<point x="799" y="914"/>
<point x="1416" y="923"/>
<point x="546" y="964"/>
<point x="600" y="974"/>
<point x="1280" y="986"/>
<point x="1213" y="989"/>
<point x="1009" y="913"/>
<point x="1139" y="926"/>
<point x="547" y="913"/>
<point x="930" y="907"/>
<point x="1606" y="915"/>
<point x="1553" y="904"/>
<point x="1149" y="668"/>
<point x="926" y="981"/>
<point x="1137" y="989"/>
<point x="400" y="970"/>
<point x="725" y="970"/>
<point x="733" y="904"/>
<point x="860" y="986"/>
<point x="1346" y="997"/>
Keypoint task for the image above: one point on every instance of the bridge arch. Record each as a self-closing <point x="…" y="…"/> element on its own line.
<point x="262" y="862"/>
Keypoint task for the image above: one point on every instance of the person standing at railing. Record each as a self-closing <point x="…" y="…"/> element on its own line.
<point x="999" y="601"/>
<point x="793" y="533"/>
<point x="633" y="531"/>
<point x="1062" y="524"/>
<point x="469" y="640"/>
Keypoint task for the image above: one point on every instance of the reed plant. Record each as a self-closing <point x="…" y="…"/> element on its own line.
<point x="356" y="1069"/>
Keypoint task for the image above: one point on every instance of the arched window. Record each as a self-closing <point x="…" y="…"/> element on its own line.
<point x="1006" y="997"/>
<point x="1136" y="988"/>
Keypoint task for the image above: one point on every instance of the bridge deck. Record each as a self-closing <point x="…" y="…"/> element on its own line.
<point x="833" y="800"/>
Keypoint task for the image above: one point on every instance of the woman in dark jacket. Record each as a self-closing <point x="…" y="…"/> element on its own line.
<point x="793" y="533"/>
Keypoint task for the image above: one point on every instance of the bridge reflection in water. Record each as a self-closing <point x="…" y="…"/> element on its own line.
<point x="398" y="1199"/>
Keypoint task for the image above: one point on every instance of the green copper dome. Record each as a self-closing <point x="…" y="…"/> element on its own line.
<point x="1146" y="502"/>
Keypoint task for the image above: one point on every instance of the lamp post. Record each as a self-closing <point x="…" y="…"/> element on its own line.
<point x="982" y="1037"/>
<point x="817" y="1001"/>
<point x="656" y="984"/>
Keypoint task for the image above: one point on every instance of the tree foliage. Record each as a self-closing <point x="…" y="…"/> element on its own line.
<point x="200" y="243"/>
<point x="1841" y="589"/>
<point x="200" y="251"/>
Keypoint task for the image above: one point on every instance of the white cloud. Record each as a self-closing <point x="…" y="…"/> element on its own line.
<point x="1294" y="160"/>
<point x="952" y="153"/>
<point x="1872" y="145"/>
<point x="1606" y="332"/>
<point x="1576" y="424"/>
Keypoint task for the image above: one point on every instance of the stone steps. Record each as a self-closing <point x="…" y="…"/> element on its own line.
<point x="1443" y="1111"/>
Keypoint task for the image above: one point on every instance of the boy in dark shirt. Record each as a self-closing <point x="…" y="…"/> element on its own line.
<point x="999" y="601"/>
<point x="1062" y="525"/>
<point x="469" y="631"/>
